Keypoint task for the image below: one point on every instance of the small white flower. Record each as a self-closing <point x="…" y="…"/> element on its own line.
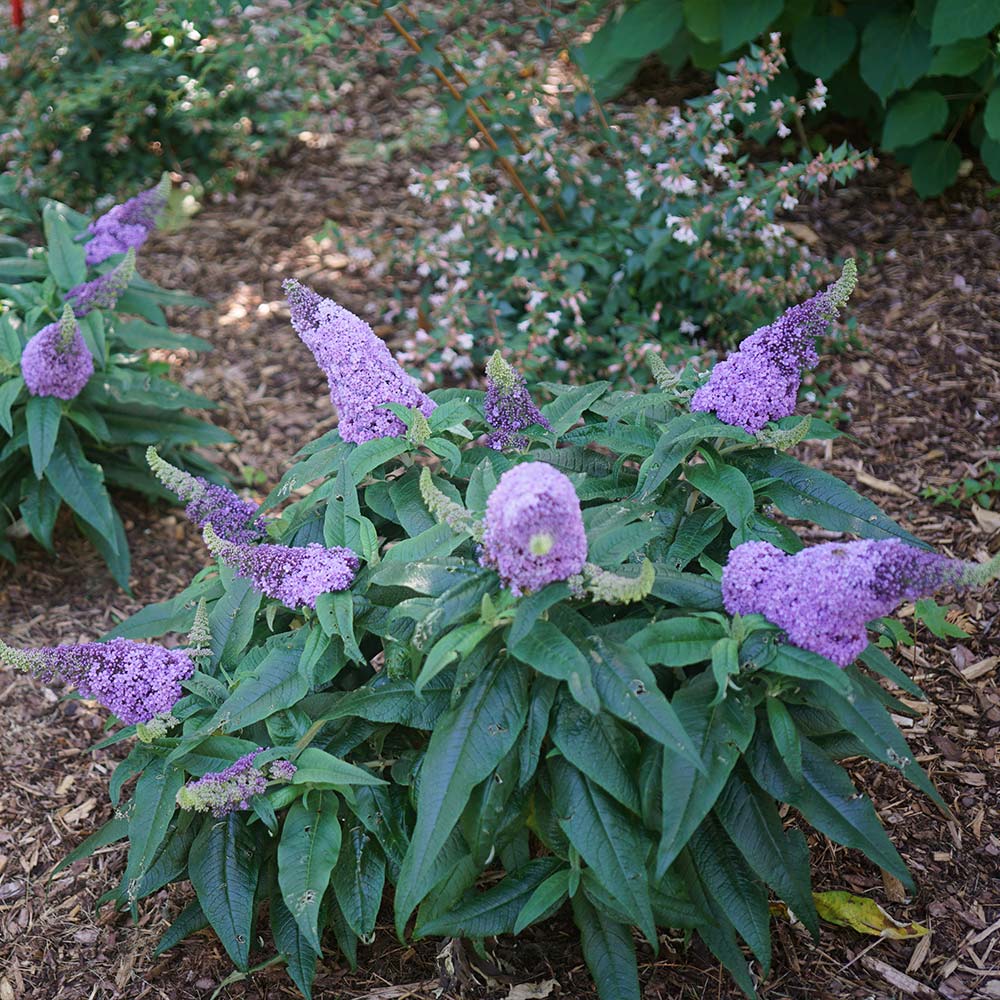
<point x="783" y="130"/>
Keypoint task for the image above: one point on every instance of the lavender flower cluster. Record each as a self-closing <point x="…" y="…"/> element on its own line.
<point x="233" y="518"/>
<point x="134" y="680"/>
<point x="760" y="381"/>
<point x="361" y="372"/>
<point x="296" y="576"/>
<point x="229" y="790"/>
<point x="128" y="225"/>
<point x="534" y="529"/>
<point x="104" y="291"/>
<point x="56" y="361"/>
<point x="508" y="406"/>
<point x="824" y="596"/>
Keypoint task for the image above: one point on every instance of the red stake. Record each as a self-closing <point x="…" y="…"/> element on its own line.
<point x="17" y="14"/>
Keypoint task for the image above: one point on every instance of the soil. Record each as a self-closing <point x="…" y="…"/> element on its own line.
<point x="921" y="385"/>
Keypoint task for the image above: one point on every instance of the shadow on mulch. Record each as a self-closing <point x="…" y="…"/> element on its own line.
<point x="923" y="393"/>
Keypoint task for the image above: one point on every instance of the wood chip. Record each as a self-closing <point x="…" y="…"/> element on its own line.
<point x="898" y="980"/>
<point x="976" y="670"/>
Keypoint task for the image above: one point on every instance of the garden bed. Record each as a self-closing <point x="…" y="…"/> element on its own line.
<point x="924" y="394"/>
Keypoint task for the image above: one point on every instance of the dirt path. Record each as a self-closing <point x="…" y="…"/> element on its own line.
<point x="924" y="393"/>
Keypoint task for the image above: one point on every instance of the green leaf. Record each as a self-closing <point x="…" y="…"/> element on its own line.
<point x="81" y="484"/>
<point x="597" y="746"/>
<point x="704" y="19"/>
<point x="14" y="269"/>
<point x="610" y="842"/>
<point x="138" y="335"/>
<point x="10" y="391"/>
<point x="608" y="950"/>
<point x="933" y="615"/>
<point x="43" y="414"/>
<point x="307" y="853"/>
<point x="300" y="957"/>
<point x="564" y="411"/>
<point x="991" y="115"/>
<point x="687" y="590"/>
<point x="40" y="507"/>
<point x="553" y="654"/>
<point x="114" y="830"/>
<point x="822" y="44"/>
<point x="153" y="808"/>
<point x="189" y="921"/>
<point x="779" y="857"/>
<point x="224" y="865"/>
<point x="955" y="19"/>
<point x="113" y="548"/>
<point x="720" y="733"/>
<point x="677" y="642"/>
<point x="913" y="117"/>
<point x="804" y="492"/>
<point x="544" y="900"/>
<point x="385" y="699"/>
<point x="336" y="616"/>
<point x="452" y="646"/>
<point x="358" y="880"/>
<point x="728" y="487"/>
<point x="895" y="53"/>
<point x="317" y="767"/>
<point x="960" y="58"/>
<point x="876" y="660"/>
<point x="744" y="21"/>
<point x="790" y="661"/>
<point x="935" y="167"/>
<point x="494" y="912"/>
<point x="785" y="736"/>
<point x="66" y="259"/>
<point x="732" y="884"/>
<point x="466" y="746"/>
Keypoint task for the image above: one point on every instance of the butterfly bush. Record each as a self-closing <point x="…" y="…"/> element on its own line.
<point x="103" y="292"/>
<point x="824" y="596"/>
<point x="534" y="531"/>
<point x="537" y="660"/>
<point x="136" y="681"/>
<point x="128" y="225"/>
<point x="362" y="373"/>
<point x="508" y="407"/>
<point x="56" y="360"/>
<point x="232" y="518"/>
<point x="295" y="576"/>
<point x="662" y="228"/>
<point x="760" y="382"/>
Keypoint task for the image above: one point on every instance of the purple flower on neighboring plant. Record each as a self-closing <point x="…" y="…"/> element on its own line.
<point x="223" y="792"/>
<point x="233" y="518"/>
<point x="534" y="530"/>
<point x="361" y="372"/>
<point x="760" y="381"/>
<point x="56" y="361"/>
<point x="824" y="596"/>
<point x="296" y="576"/>
<point x="103" y="292"/>
<point x="128" y="225"/>
<point x="136" y="681"/>
<point x="508" y="406"/>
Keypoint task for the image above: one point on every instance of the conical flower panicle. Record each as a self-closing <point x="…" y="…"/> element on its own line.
<point x="360" y="370"/>
<point x="508" y="406"/>
<point x="135" y="680"/>
<point x="232" y="789"/>
<point x="128" y="225"/>
<point x="296" y="576"/>
<point x="534" y="531"/>
<point x="760" y="381"/>
<point x="103" y="292"/>
<point x="233" y="518"/>
<point x="56" y="361"/>
<point x="824" y="596"/>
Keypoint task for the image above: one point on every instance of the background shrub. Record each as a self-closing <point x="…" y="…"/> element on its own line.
<point x="921" y="77"/>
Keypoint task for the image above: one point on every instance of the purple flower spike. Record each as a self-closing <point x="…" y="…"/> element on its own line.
<point x="534" y="530"/>
<point x="508" y="406"/>
<point x="824" y="596"/>
<point x="760" y="381"/>
<point x="295" y="576"/>
<point x="56" y="361"/>
<point x="136" y="681"/>
<point x="362" y="373"/>
<point x="105" y="291"/>
<point x="233" y="518"/>
<point x="127" y="225"/>
<point x="223" y="792"/>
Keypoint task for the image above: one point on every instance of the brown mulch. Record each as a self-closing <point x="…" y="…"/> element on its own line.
<point x="923" y="392"/>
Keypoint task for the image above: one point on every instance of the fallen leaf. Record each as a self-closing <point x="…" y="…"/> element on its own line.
<point x="802" y="232"/>
<point x="864" y="915"/>
<point x="989" y="520"/>
<point x="532" y="991"/>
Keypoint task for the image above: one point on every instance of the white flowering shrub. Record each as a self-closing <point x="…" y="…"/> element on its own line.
<point x="644" y="224"/>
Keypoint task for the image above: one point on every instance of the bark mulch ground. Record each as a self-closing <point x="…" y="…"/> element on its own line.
<point x="922" y="380"/>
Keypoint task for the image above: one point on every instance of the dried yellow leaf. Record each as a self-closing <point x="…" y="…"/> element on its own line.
<point x="863" y="915"/>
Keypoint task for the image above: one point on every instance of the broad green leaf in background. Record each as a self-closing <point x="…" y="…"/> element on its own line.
<point x="224" y="865"/>
<point x="822" y="44"/>
<point x="960" y="58"/>
<point x="744" y="21"/>
<point x="307" y="852"/>
<point x="66" y="258"/>
<point x="895" y="53"/>
<point x="915" y="116"/>
<point x="957" y="19"/>
<point x="935" y="167"/>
